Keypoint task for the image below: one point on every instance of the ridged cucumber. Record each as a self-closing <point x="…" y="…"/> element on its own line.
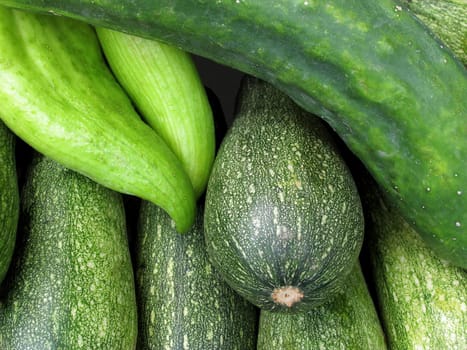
<point x="349" y="321"/>
<point x="392" y="91"/>
<point x="59" y="96"/>
<point x="183" y="301"/>
<point x="71" y="285"/>
<point x="283" y="219"/>
<point x="422" y="299"/>
<point x="9" y="198"/>
<point x="164" y="83"/>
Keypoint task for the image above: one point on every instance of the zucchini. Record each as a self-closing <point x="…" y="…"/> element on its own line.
<point x="59" y="96"/>
<point x="349" y="321"/>
<point x="421" y="298"/>
<point x="71" y="284"/>
<point x="173" y="100"/>
<point x="391" y="90"/>
<point x="183" y="301"/>
<point x="447" y="19"/>
<point x="9" y="198"/>
<point x="283" y="219"/>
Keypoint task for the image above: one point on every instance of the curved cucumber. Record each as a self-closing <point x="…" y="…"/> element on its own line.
<point x="183" y="301"/>
<point x="72" y="284"/>
<point x="393" y="92"/>
<point x="9" y="198"/>
<point x="349" y="321"/>
<point x="58" y="95"/>
<point x="163" y="82"/>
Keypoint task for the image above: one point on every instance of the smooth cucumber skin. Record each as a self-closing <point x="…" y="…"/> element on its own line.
<point x="59" y="96"/>
<point x="9" y="198"/>
<point x="392" y="91"/>
<point x="183" y="301"/>
<point x="422" y="299"/>
<point x="164" y="83"/>
<point x="72" y="284"/>
<point x="349" y="321"/>
<point x="281" y="209"/>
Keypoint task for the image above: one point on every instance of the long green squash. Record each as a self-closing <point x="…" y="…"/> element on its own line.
<point x="58" y="95"/>
<point x="394" y="93"/>
<point x="164" y="83"/>
<point x="9" y="198"/>
<point x="422" y="299"/>
<point x="349" y="321"/>
<point x="71" y="285"/>
<point x="183" y="301"/>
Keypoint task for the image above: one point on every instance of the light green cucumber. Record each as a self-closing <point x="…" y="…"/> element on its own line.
<point x="349" y="322"/>
<point x="163" y="82"/>
<point x="59" y="96"/>
<point x="183" y="301"/>
<point x="71" y="285"/>
<point x="9" y="198"/>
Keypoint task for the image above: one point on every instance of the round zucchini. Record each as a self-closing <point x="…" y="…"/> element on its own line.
<point x="283" y="219"/>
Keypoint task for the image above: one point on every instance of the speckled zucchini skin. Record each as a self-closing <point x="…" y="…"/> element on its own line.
<point x="422" y="299"/>
<point x="349" y="321"/>
<point x="282" y="209"/>
<point x="447" y="19"/>
<point x="59" y="96"/>
<point x="9" y="198"/>
<point x="72" y="284"/>
<point x="394" y="93"/>
<point x="164" y="84"/>
<point x="183" y="301"/>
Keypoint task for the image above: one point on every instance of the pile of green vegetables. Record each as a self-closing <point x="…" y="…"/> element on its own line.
<point x="330" y="214"/>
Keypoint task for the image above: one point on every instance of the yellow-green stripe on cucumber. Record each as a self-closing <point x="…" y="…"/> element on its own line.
<point x="71" y="285"/>
<point x="59" y="96"/>
<point x="164" y="83"/>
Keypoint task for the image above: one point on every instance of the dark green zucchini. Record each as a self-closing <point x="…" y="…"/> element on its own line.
<point x="447" y="19"/>
<point x="392" y="91"/>
<point x="59" y="96"/>
<point x="283" y="219"/>
<point x="183" y="301"/>
<point x="9" y="198"/>
<point x="349" y="321"/>
<point x="164" y="83"/>
<point x="71" y="285"/>
<point x="422" y="299"/>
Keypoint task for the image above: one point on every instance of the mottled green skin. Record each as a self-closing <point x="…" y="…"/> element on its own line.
<point x="447" y="19"/>
<point x="173" y="100"/>
<point x="9" y="198"/>
<point x="422" y="300"/>
<point x="72" y="283"/>
<point x="281" y="206"/>
<point x="393" y="93"/>
<point x="183" y="302"/>
<point x="349" y="321"/>
<point x="59" y="96"/>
